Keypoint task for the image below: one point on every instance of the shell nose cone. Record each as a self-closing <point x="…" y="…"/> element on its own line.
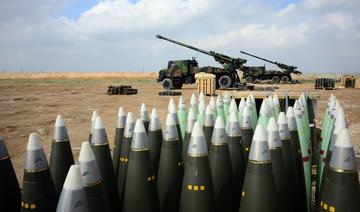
<point x="144" y="113"/>
<point x="94" y="115"/>
<point x="273" y="134"/>
<point x="233" y="106"/>
<point x="73" y="179"/>
<point x="143" y="107"/>
<point x="122" y="111"/>
<point x="34" y="142"/>
<point x="139" y="140"/>
<point x="219" y="134"/>
<point x="172" y="106"/>
<point x="282" y="118"/>
<point x="99" y="124"/>
<point x="170" y="132"/>
<point x="86" y="153"/>
<point x="170" y="120"/>
<point x="193" y="100"/>
<point x="272" y="125"/>
<point x="343" y="156"/>
<point x="154" y="121"/>
<point x="35" y="158"/>
<point x="197" y="145"/>
<point x="259" y="150"/>
<point x="60" y="121"/>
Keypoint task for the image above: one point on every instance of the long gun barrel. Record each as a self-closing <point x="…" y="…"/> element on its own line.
<point x="280" y="65"/>
<point x="183" y="44"/>
<point x="221" y="58"/>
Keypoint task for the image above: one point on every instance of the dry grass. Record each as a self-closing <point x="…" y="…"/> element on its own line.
<point x="74" y="75"/>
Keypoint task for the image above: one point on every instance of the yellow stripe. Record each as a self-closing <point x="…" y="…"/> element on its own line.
<point x="325" y="206"/>
<point x="196" y="187"/>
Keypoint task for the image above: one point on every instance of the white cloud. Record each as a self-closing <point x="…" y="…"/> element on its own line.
<point x="259" y="36"/>
<point x="124" y="16"/>
<point x="288" y="9"/>
<point x="326" y="4"/>
<point x="340" y="20"/>
<point x="316" y="4"/>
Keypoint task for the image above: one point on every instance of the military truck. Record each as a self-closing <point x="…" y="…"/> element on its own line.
<point x="178" y="72"/>
<point x="174" y="76"/>
<point x="260" y="73"/>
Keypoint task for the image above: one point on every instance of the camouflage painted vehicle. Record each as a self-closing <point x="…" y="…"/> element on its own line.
<point x="260" y="73"/>
<point x="178" y="72"/>
<point x="225" y="77"/>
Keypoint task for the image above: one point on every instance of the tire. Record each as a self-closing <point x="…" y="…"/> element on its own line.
<point x="169" y="93"/>
<point x="167" y="84"/>
<point x="285" y="79"/>
<point x="275" y="79"/>
<point x="114" y="91"/>
<point x="249" y="79"/>
<point x="178" y="86"/>
<point x="177" y="83"/>
<point x="225" y="81"/>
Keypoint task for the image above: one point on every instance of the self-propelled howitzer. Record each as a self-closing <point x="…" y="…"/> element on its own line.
<point x="226" y="78"/>
<point x="286" y="68"/>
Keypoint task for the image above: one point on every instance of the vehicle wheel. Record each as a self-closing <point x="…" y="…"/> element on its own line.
<point x="225" y="81"/>
<point x="169" y="93"/>
<point x="249" y="79"/>
<point x="167" y="84"/>
<point x="285" y="79"/>
<point x="275" y="79"/>
<point x="178" y="85"/>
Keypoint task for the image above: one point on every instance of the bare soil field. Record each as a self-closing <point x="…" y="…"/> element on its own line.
<point x="30" y="102"/>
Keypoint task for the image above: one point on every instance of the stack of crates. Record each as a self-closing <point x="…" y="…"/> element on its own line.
<point x="325" y="83"/>
<point x="206" y="83"/>
<point x="348" y="81"/>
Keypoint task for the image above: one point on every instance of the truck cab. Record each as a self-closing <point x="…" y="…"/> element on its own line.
<point x="177" y="73"/>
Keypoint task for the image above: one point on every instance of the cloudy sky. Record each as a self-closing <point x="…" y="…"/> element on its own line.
<point x="119" y="35"/>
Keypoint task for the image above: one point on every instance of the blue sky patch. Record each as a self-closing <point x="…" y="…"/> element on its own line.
<point x="77" y="7"/>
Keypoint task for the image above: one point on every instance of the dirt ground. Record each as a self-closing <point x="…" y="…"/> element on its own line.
<point x="28" y="106"/>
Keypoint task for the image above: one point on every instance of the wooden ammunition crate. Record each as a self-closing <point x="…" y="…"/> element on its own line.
<point x="206" y="83"/>
<point x="348" y="81"/>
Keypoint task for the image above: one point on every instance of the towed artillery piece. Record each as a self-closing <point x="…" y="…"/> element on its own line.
<point x="260" y="73"/>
